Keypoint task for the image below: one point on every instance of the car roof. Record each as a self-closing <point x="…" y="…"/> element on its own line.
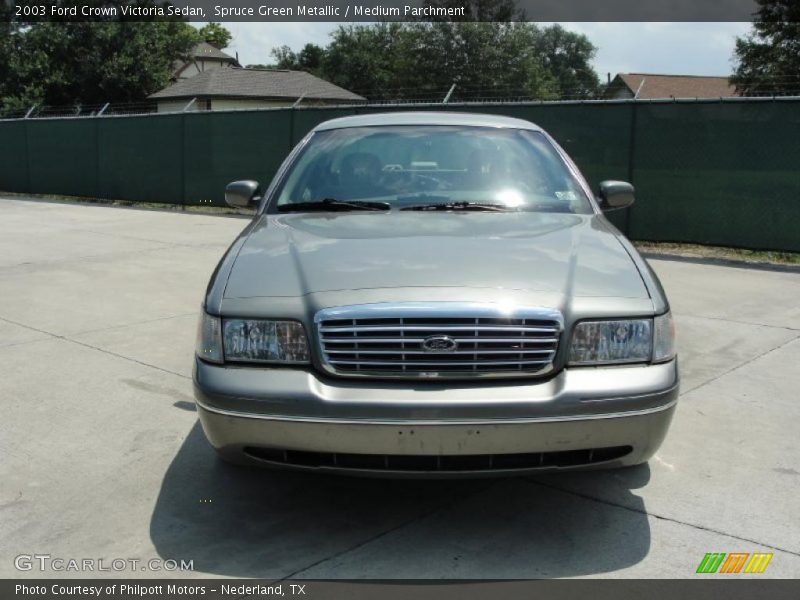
<point x="427" y="118"/>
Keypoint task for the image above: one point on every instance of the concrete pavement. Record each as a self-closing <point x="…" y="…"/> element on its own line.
<point x="102" y="456"/>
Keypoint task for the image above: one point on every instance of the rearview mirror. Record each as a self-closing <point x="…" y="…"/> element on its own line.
<point x="242" y="194"/>
<point x="615" y="195"/>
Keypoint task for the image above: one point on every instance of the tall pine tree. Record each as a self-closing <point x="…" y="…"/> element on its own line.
<point x="767" y="61"/>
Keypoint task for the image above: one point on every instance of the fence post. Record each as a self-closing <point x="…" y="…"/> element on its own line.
<point x="291" y="127"/>
<point x="183" y="160"/>
<point x="291" y="120"/>
<point x="631" y="163"/>
<point x="28" y="183"/>
<point x="97" y="191"/>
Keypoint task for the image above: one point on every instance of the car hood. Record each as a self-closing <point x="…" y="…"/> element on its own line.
<point x="300" y="254"/>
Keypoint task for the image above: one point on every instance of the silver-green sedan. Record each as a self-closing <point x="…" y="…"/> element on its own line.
<point x="433" y="294"/>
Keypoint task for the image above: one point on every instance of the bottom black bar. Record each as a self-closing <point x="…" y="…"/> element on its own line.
<point x="707" y="587"/>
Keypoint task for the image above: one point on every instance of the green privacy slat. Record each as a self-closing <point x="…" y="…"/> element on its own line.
<point x="62" y="156"/>
<point x="141" y="159"/>
<point x="705" y="172"/>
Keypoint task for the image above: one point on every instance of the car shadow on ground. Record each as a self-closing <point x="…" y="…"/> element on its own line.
<point x="249" y="522"/>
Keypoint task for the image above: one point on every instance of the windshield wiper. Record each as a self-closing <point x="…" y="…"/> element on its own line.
<point x="463" y="205"/>
<point x="333" y="205"/>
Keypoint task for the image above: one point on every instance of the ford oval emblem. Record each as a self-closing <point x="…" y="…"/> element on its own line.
<point x="439" y="343"/>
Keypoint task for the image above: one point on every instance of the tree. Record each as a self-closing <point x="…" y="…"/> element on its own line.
<point x="567" y="56"/>
<point x="83" y="62"/>
<point x="308" y="59"/>
<point x="284" y="56"/>
<point x="420" y="60"/>
<point x="767" y="61"/>
<point x="9" y="36"/>
<point x="484" y="60"/>
<point x="216" y="35"/>
<point x="368" y="59"/>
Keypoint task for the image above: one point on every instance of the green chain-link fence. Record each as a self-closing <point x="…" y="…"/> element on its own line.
<point x="709" y="172"/>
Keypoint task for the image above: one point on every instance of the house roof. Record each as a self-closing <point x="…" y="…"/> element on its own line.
<point x="203" y="51"/>
<point x="256" y="83"/>
<point x="675" y="86"/>
<point x="206" y="51"/>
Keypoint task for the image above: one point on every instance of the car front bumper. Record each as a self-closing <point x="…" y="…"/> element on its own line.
<point x="579" y="418"/>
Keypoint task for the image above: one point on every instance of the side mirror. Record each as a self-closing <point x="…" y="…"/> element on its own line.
<point x="242" y="194"/>
<point x="615" y="195"/>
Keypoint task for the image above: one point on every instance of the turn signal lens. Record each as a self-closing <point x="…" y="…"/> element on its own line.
<point x="663" y="338"/>
<point x="209" y="340"/>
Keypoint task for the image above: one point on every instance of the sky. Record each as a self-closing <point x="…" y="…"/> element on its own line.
<point x="669" y="48"/>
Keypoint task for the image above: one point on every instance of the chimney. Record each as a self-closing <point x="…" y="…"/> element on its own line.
<point x="608" y="75"/>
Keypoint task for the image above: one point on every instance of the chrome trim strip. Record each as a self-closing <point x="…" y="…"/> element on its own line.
<point x="396" y="422"/>
<point x="512" y="328"/>
<point x="412" y="363"/>
<point x="459" y="340"/>
<point x="388" y="310"/>
<point x="456" y="352"/>
<point x="635" y="397"/>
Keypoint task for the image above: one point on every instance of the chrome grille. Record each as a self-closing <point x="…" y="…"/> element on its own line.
<point x="438" y="340"/>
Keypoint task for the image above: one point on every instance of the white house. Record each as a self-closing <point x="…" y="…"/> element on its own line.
<point x="222" y="88"/>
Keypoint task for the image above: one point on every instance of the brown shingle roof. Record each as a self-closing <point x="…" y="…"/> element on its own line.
<point x="206" y="51"/>
<point x="203" y="51"/>
<point x="675" y="86"/>
<point x="256" y="83"/>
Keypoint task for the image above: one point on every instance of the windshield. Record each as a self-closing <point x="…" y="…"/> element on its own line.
<point x="416" y="167"/>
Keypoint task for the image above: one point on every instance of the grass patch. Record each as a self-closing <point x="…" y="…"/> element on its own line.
<point x="165" y="206"/>
<point x="720" y="252"/>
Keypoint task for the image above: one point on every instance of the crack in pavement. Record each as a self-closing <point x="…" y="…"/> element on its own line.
<point x="137" y="323"/>
<point x="100" y="329"/>
<point x="84" y="344"/>
<point x="452" y="503"/>
<point x="133" y="360"/>
<point x="660" y="517"/>
<point x="162" y="245"/>
<point x="174" y="244"/>
<point x="739" y="366"/>
<point x="15" y="344"/>
<point x="424" y="515"/>
<point x="726" y="320"/>
<point x="84" y="258"/>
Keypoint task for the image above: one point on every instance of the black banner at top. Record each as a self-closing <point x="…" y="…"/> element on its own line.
<point x="385" y="10"/>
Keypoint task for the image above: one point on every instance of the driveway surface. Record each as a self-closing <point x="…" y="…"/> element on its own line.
<point x="101" y="455"/>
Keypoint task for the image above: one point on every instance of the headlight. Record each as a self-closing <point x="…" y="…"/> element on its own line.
<point x="623" y="341"/>
<point x="257" y="340"/>
<point x="606" y="342"/>
<point x="209" y="339"/>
